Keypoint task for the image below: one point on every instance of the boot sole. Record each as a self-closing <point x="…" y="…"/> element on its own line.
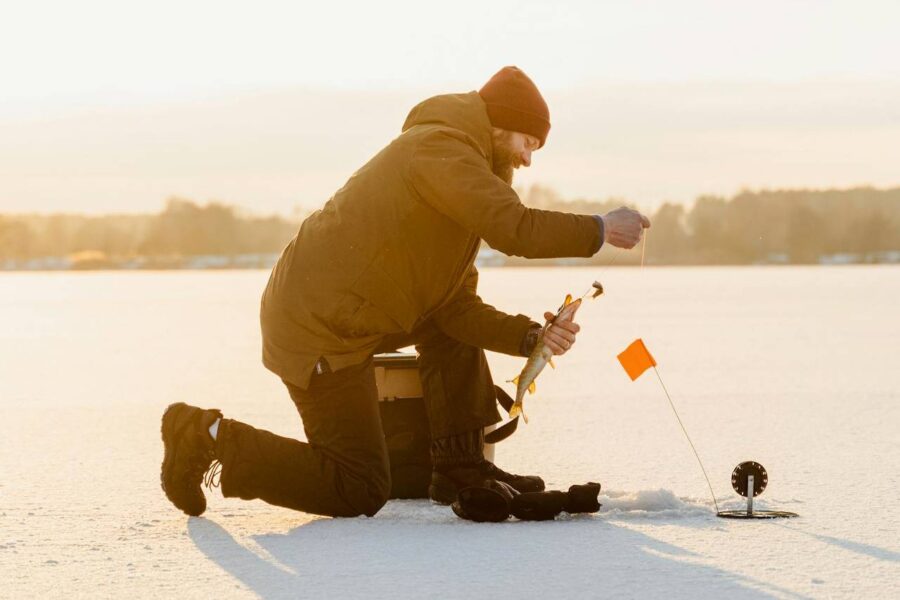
<point x="442" y="490"/>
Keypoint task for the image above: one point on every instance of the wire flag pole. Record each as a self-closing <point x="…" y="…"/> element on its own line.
<point x="700" y="462"/>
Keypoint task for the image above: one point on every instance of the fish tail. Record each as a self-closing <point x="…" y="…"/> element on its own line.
<point x="516" y="410"/>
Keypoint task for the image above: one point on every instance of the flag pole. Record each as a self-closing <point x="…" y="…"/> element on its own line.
<point x="700" y="462"/>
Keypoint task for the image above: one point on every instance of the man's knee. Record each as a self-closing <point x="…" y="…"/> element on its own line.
<point x="377" y="497"/>
<point x="367" y="494"/>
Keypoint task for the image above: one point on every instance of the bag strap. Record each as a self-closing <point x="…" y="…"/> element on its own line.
<point x="507" y="429"/>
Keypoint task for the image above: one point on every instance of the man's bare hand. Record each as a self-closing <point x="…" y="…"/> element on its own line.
<point x="560" y="336"/>
<point x="623" y="227"/>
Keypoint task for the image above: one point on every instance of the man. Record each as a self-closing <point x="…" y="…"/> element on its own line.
<point x="389" y="262"/>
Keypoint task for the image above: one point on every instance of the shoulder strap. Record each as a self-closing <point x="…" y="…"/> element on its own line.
<point x="507" y="429"/>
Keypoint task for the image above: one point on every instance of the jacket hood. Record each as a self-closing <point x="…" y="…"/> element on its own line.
<point x="465" y="112"/>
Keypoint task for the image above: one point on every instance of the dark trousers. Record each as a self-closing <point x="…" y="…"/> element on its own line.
<point x="344" y="470"/>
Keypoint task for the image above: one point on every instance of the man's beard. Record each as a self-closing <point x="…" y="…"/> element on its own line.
<point x="505" y="161"/>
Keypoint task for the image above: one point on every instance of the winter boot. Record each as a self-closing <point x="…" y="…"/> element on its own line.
<point x="189" y="451"/>
<point x="522" y="483"/>
<point x="459" y="463"/>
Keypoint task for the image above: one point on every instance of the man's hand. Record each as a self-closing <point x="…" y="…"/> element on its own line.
<point x="560" y="336"/>
<point x="623" y="227"/>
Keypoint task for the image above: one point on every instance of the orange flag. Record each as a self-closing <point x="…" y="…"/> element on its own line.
<point x="636" y="359"/>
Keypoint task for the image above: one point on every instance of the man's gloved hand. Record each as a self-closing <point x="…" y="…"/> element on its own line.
<point x="495" y="501"/>
<point x="544" y="506"/>
<point x="583" y="498"/>
<point x="623" y="227"/>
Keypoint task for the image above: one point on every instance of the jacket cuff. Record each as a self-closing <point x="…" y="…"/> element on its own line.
<point x="530" y="339"/>
<point x="600" y="224"/>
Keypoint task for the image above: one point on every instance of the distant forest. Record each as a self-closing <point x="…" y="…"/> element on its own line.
<point x="752" y="227"/>
<point x="183" y="229"/>
<point x="760" y="227"/>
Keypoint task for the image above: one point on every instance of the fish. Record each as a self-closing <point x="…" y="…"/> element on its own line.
<point x="539" y="358"/>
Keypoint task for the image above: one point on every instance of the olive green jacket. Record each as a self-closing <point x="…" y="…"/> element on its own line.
<point x="396" y="246"/>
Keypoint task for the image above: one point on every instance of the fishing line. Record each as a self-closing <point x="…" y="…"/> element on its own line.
<point x="644" y="246"/>
<point x="593" y="289"/>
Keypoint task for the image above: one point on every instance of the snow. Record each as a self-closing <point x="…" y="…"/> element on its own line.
<point x="793" y="367"/>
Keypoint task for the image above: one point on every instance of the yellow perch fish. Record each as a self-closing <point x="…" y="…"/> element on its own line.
<point x="539" y="358"/>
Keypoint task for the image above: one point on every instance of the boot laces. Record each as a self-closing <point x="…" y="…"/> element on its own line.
<point x="213" y="476"/>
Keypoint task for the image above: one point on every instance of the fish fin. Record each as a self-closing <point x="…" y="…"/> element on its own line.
<point x="550" y="362"/>
<point x="517" y="410"/>
<point x="514" y="380"/>
<point x="531" y="387"/>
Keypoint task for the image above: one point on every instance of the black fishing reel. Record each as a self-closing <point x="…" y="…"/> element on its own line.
<point x="749" y="479"/>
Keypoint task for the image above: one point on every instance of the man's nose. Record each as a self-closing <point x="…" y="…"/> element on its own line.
<point x="526" y="158"/>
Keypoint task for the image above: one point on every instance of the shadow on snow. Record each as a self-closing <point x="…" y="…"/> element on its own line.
<point x="412" y="549"/>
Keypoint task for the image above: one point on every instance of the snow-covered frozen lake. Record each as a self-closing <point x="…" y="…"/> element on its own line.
<point x="794" y="367"/>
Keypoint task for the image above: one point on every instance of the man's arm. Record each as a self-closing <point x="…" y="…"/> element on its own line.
<point x="468" y="319"/>
<point x="449" y="174"/>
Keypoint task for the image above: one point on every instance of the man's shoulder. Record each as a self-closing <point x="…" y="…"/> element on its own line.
<point x="441" y="139"/>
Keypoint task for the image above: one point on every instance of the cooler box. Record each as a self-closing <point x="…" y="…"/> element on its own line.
<point x="405" y="424"/>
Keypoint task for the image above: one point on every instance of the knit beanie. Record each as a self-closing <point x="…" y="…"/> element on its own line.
<point x="514" y="103"/>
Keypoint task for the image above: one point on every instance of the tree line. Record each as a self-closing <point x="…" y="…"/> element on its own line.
<point x="769" y="226"/>
<point x="183" y="228"/>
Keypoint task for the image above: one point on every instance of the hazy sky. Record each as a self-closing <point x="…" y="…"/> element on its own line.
<point x="109" y="105"/>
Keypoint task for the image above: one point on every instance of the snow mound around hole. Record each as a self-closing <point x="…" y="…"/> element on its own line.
<point x="651" y="503"/>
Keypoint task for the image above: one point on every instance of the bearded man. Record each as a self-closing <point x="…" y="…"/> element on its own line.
<point x="389" y="261"/>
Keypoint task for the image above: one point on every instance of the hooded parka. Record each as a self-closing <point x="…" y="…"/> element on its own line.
<point x="396" y="246"/>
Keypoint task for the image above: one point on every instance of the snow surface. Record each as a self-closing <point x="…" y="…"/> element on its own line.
<point x="793" y="367"/>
